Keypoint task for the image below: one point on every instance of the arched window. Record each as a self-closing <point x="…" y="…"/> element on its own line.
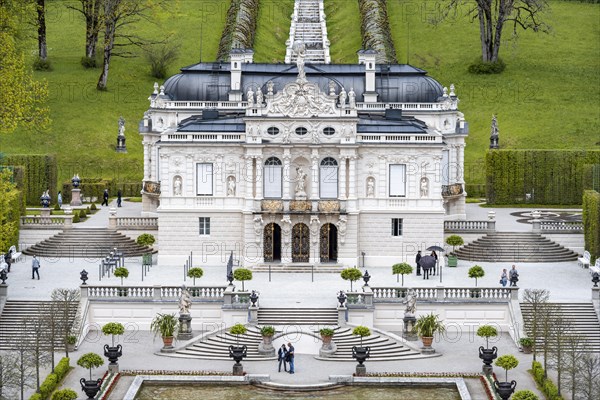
<point x="328" y="179"/>
<point x="272" y="178"/>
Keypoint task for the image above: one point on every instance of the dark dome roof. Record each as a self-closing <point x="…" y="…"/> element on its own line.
<point x="395" y="83"/>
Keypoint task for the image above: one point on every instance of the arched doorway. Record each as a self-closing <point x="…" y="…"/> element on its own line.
<point x="272" y="243"/>
<point x="300" y="243"/>
<point x="328" y="247"/>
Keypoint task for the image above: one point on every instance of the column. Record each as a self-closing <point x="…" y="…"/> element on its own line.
<point x="146" y="161"/>
<point x="189" y="186"/>
<point x="460" y="167"/>
<point x="314" y="184"/>
<point x="352" y="191"/>
<point x="219" y="177"/>
<point x="259" y="180"/>
<point x="382" y="179"/>
<point x="286" y="175"/>
<point x="342" y="178"/>
<point x="248" y="177"/>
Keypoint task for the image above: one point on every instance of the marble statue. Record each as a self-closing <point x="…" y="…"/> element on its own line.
<point x="185" y="301"/>
<point x="332" y="88"/>
<point x="258" y="227"/>
<point x="300" y="182"/>
<point x="259" y="97"/>
<point x="300" y="50"/>
<point x="411" y="303"/>
<point x="315" y="137"/>
<point x="424" y="187"/>
<point x="342" y="228"/>
<point x="231" y="186"/>
<point x="286" y="135"/>
<point x="494" y="134"/>
<point x="342" y="98"/>
<point x="177" y="186"/>
<point x="121" y="126"/>
<point x="370" y="187"/>
<point x="250" y="97"/>
<point x="352" y="98"/>
<point x="270" y="88"/>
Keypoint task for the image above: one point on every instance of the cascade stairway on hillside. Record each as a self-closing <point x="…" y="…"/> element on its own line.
<point x="515" y="247"/>
<point x="581" y="316"/>
<point x="309" y="27"/>
<point x="14" y="326"/>
<point x="92" y="243"/>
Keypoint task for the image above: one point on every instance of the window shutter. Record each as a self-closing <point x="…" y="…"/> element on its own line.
<point x="397" y="180"/>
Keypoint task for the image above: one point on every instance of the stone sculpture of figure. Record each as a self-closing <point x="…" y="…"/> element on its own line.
<point x="494" y="134"/>
<point x="250" y="97"/>
<point x="300" y="50"/>
<point x="300" y="182"/>
<point x="259" y="97"/>
<point x="185" y="301"/>
<point x="342" y="228"/>
<point x="343" y="98"/>
<point x="286" y="135"/>
<point x="177" y="186"/>
<point x="258" y="227"/>
<point x="121" y="126"/>
<point x="231" y="186"/>
<point x="332" y="88"/>
<point x="370" y="187"/>
<point x="286" y="228"/>
<point x="315" y="136"/>
<point x="352" y="98"/>
<point x="424" y="187"/>
<point x="270" y="88"/>
<point x="411" y="303"/>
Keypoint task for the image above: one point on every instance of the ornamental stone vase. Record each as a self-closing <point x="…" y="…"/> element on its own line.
<point x="266" y="348"/>
<point x="113" y="354"/>
<point x="238" y="353"/>
<point x="488" y="356"/>
<point x="505" y="389"/>
<point x="91" y="388"/>
<point x="361" y="354"/>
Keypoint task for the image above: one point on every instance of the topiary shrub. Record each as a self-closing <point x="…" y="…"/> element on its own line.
<point x="93" y="207"/>
<point x="82" y="214"/>
<point x="361" y="331"/>
<point x="242" y="274"/>
<point x="454" y="240"/>
<point x="351" y="274"/>
<point x="145" y="239"/>
<point x="401" y="269"/>
<point x="121" y="272"/>
<point x="476" y="272"/>
<point x="525" y="395"/>
<point x="76" y="218"/>
<point x="194" y="273"/>
<point x="48" y="385"/>
<point x="64" y="394"/>
<point x="62" y="368"/>
<point x="507" y="362"/>
<point x="89" y="361"/>
<point x="113" y="329"/>
<point x="237" y="330"/>
<point x="267" y="330"/>
<point x="87" y="211"/>
<point x="487" y="331"/>
<point x="481" y="68"/>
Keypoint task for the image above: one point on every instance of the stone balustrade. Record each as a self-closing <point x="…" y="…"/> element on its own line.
<point x="448" y="294"/>
<point x="47" y="222"/>
<point x="153" y="293"/>
<point x="469" y="226"/>
<point x="376" y="138"/>
<point x="561" y="227"/>
<point x="137" y="223"/>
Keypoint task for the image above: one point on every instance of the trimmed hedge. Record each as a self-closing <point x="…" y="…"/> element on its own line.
<point x="545" y="384"/>
<point x="52" y="380"/>
<point x="14" y="208"/>
<point x="550" y="176"/>
<point x="591" y="223"/>
<point x="40" y="174"/>
<point x="94" y="187"/>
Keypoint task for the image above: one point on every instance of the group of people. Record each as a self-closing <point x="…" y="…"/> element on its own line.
<point x="426" y="268"/>
<point x="285" y="356"/>
<point x="105" y="198"/>
<point x="512" y="276"/>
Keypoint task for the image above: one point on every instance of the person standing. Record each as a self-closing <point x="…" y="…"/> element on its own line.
<point x="119" y="199"/>
<point x="35" y="268"/>
<point x="418" y="261"/>
<point x="291" y="357"/>
<point x="434" y="255"/>
<point x="504" y="278"/>
<point x="282" y="354"/>
<point x="514" y="276"/>
<point x="105" y="198"/>
<point x="8" y="260"/>
<point x="59" y="199"/>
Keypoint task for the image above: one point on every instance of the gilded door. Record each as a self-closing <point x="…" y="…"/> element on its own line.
<point x="328" y="243"/>
<point x="272" y="243"/>
<point x="300" y="243"/>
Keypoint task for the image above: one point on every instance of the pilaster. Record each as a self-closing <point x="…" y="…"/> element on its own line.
<point x="314" y="189"/>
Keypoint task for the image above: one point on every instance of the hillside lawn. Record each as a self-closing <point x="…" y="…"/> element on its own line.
<point x="548" y="96"/>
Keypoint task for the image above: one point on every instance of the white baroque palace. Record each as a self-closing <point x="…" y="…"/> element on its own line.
<point x="302" y="163"/>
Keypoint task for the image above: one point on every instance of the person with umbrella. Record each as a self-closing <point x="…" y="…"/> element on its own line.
<point x="427" y="262"/>
<point x="433" y="250"/>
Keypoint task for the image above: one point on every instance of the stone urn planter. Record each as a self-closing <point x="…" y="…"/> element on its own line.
<point x="238" y="353"/>
<point x="113" y="354"/>
<point x="361" y="353"/>
<point x="266" y="346"/>
<point x="526" y="345"/>
<point x="505" y="389"/>
<point x="91" y="388"/>
<point x="328" y="348"/>
<point x="488" y="356"/>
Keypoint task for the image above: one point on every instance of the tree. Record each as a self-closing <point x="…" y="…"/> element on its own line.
<point x="493" y="15"/>
<point x="24" y="366"/>
<point x="589" y="373"/>
<point x="66" y="300"/>
<point x="574" y="351"/>
<point x="90" y="361"/>
<point x="120" y="16"/>
<point x="113" y="328"/>
<point x="507" y="362"/>
<point x="548" y="314"/>
<point x="351" y="274"/>
<point x="401" y="269"/>
<point x="242" y="274"/>
<point x="91" y="11"/>
<point x="8" y="374"/>
<point x="487" y="331"/>
<point x="40" y="6"/>
<point x="560" y="328"/>
<point x="121" y="272"/>
<point x="361" y="331"/>
<point x="36" y="340"/>
<point x="195" y="273"/>
<point x="476" y="272"/>
<point x="9" y="223"/>
<point x="536" y="299"/>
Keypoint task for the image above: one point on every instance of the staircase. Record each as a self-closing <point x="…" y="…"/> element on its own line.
<point x="299" y="268"/>
<point x="515" y="247"/>
<point x="15" y="325"/>
<point x="216" y="347"/>
<point x="581" y="316"/>
<point x="298" y="316"/>
<point x="307" y="28"/>
<point x="92" y="243"/>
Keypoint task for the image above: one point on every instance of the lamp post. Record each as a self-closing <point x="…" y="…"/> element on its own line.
<point x="363" y="254"/>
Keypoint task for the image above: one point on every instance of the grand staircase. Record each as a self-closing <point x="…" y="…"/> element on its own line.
<point x="309" y="30"/>
<point x="91" y="243"/>
<point x="298" y="316"/>
<point x="581" y="317"/>
<point x="16" y="323"/>
<point x="515" y="247"/>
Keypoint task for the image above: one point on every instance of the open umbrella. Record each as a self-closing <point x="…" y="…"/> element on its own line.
<point x="427" y="262"/>
<point x="435" y="248"/>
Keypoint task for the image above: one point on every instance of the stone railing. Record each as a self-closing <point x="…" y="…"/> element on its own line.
<point x="448" y="294"/>
<point x="152" y="293"/>
<point x="204" y="137"/>
<point x="375" y="138"/>
<point x="469" y="226"/>
<point x="51" y="222"/>
<point x="561" y="227"/>
<point x="401" y="106"/>
<point x="230" y="105"/>
<point x="137" y="223"/>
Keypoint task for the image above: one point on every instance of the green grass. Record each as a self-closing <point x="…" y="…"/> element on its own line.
<point x="343" y="30"/>
<point x="272" y="30"/>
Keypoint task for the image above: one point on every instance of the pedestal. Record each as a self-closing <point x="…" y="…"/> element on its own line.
<point x="265" y="348"/>
<point x="121" y="148"/>
<point x="45" y="212"/>
<point x="361" y="370"/>
<point x="409" y="323"/>
<point x="185" y="327"/>
<point x="76" y="197"/>
<point x="238" y="370"/>
<point x="253" y="315"/>
<point x="113" y="369"/>
<point x="342" y="316"/>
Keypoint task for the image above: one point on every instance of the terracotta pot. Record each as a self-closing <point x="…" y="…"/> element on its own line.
<point x="527" y="349"/>
<point x="168" y="341"/>
<point x="326" y="339"/>
<point x="267" y="340"/>
<point x="427" y="341"/>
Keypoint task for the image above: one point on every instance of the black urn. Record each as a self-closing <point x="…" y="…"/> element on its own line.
<point x="45" y="200"/>
<point x="361" y="353"/>
<point x="76" y="181"/>
<point x="91" y="388"/>
<point x="488" y="356"/>
<point x="341" y="298"/>
<point x="505" y="389"/>
<point x="113" y="353"/>
<point x="238" y="353"/>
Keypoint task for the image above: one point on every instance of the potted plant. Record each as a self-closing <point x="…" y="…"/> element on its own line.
<point x="476" y="272"/>
<point x="242" y="275"/>
<point x="122" y="272"/>
<point x="64" y="394"/>
<point x="326" y="336"/>
<point x="89" y="361"/>
<point x="351" y="274"/>
<point x="454" y="240"/>
<point x="525" y="395"/>
<point x="165" y="325"/>
<point x="401" y="269"/>
<point x="146" y="239"/>
<point x="486" y="354"/>
<point x="195" y="273"/>
<point x="238" y="352"/>
<point x="426" y="326"/>
<point x="361" y="353"/>
<point x="113" y="352"/>
<point x="506" y="388"/>
<point x="526" y="344"/>
<point x="71" y="341"/>
<point x="266" y="346"/>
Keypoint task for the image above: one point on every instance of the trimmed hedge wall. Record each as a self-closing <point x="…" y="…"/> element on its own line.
<point x="550" y="176"/>
<point x="591" y="223"/>
<point x="545" y="384"/>
<point x="94" y="187"/>
<point x="15" y="207"/>
<point x="52" y="380"/>
<point x="40" y="173"/>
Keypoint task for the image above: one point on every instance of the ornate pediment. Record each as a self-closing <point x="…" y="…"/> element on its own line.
<point x="301" y="99"/>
